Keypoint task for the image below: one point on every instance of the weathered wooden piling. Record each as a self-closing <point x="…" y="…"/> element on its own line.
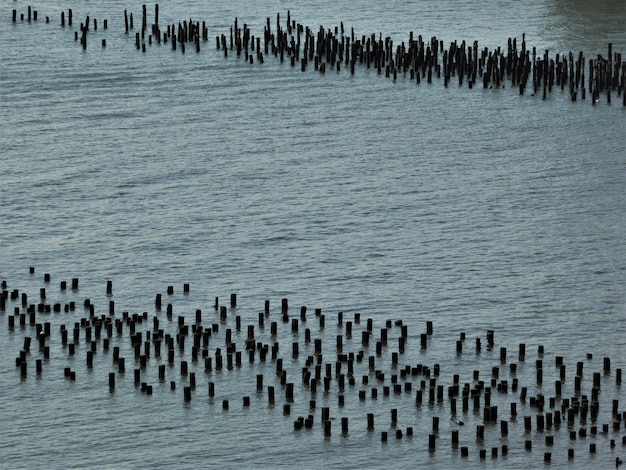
<point x="432" y="442"/>
<point x="383" y="369"/>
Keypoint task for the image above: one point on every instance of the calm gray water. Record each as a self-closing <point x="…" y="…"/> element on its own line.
<point x="474" y="209"/>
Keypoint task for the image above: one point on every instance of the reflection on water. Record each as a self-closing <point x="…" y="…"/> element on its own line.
<point x="587" y="26"/>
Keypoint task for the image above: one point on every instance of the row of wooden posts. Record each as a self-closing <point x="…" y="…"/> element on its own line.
<point x="521" y="67"/>
<point x="106" y="331"/>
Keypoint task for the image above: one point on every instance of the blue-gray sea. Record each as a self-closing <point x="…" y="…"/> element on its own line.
<point x="475" y="209"/>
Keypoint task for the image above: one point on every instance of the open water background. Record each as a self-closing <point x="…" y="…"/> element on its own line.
<point x="475" y="209"/>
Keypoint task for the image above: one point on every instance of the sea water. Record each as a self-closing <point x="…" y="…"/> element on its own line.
<point x="475" y="209"/>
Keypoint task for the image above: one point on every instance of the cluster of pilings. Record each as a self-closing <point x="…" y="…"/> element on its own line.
<point x="186" y="32"/>
<point x="421" y="59"/>
<point x="365" y="363"/>
<point x="518" y="65"/>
